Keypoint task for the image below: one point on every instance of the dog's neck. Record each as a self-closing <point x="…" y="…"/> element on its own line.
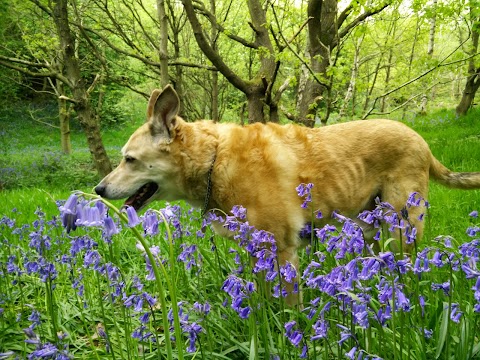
<point x="209" y="187"/>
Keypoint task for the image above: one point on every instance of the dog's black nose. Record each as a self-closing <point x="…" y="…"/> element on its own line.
<point x="100" y="190"/>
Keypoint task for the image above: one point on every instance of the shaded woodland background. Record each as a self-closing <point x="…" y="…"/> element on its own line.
<point x="312" y="62"/>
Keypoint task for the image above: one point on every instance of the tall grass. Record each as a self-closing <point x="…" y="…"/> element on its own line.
<point x="163" y="285"/>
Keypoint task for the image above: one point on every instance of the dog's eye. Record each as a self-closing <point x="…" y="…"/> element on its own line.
<point x="129" y="159"/>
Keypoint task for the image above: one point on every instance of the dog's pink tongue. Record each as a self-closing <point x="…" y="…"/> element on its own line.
<point x="129" y="201"/>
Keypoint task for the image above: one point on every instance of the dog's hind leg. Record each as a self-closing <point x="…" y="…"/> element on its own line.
<point x="396" y="193"/>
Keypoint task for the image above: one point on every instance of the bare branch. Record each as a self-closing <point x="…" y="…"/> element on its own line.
<point x="439" y="65"/>
<point x="213" y="20"/>
<point x="343" y="32"/>
<point x="31" y="113"/>
<point x="297" y="55"/>
<point x="55" y="74"/>
<point x="207" y="49"/>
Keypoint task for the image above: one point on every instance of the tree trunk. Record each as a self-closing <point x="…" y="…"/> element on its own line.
<point x="410" y="60"/>
<point x="390" y="58"/>
<point x="433" y="24"/>
<point x="353" y="78"/>
<point x="468" y="95"/>
<point x="322" y="30"/>
<point x="80" y="94"/>
<point x="64" y="117"/>
<point x="163" y="48"/>
<point x="255" y="104"/>
<point x="213" y="40"/>
<point x="473" y="80"/>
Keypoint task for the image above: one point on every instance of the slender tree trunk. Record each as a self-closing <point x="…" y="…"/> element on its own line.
<point x="433" y="25"/>
<point x="353" y="77"/>
<point x="389" y="62"/>
<point x="410" y="60"/>
<point x="64" y="117"/>
<point x="163" y="48"/>
<point x="80" y="94"/>
<point x="214" y="74"/>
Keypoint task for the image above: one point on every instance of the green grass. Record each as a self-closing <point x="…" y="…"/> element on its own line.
<point x="225" y="334"/>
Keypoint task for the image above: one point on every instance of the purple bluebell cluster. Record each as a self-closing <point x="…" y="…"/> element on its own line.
<point x="192" y="329"/>
<point x="349" y="290"/>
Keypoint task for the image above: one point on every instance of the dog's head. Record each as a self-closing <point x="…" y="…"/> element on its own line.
<point x="148" y="170"/>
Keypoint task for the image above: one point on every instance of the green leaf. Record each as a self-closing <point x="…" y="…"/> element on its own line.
<point x="442" y="335"/>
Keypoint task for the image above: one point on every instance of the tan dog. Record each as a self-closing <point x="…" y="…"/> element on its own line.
<point x="259" y="166"/>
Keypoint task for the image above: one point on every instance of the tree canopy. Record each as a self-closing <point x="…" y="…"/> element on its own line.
<point x="307" y="61"/>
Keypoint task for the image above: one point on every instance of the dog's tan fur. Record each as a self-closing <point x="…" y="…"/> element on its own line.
<point x="259" y="166"/>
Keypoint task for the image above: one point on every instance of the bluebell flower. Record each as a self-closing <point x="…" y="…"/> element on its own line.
<point x="34" y="318"/>
<point x="472" y="231"/>
<point x="455" y="313"/>
<point x="320" y="329"/>
<point x="187" y="256"/>
<point x="351" y="353"/>
<point x="421" y="301"/>
<point x="89" y="216"/>
<point x="144" y="318"/>
<point x="239" y="212"/>
<point x="345" y="334"/>
<point x="383" y="315"/>
<point x="68" y="213"/>
<point x="304" y="353"/>
<point x="474" y="214"/>
<point x="91" y="259"/>
<point x="202" y="308"/>
<point x="410" y="234"/>
<point x="142" y="334"/>
<point x="150" y="223"/>
<point x="402" y="301"/>
<point x="294" y="336"/>
<point x="444" y="286"/>
<point x="110" y="228"/>
<point x="32" y="337"/>
<point x="360" y="314"/>
<point x="427" y="333"/>
<point x="133" y="219"/>
<point x="137" y="284"/>
<point x="45" y="351"/>
<point x="403" y="265"/>
<point x="288" y="272"/>
<point x="305" y="192"/>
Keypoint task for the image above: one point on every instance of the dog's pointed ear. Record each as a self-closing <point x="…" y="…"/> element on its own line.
<point x="162" y="112"/>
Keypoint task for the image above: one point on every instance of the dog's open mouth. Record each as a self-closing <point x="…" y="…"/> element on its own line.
<point x="142" y="196"/>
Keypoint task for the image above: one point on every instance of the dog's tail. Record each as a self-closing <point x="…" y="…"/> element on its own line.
<point x="458" y="180"/>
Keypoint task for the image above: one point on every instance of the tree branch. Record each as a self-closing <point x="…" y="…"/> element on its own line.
<point x="207" y="49"/>
<point x="213" y="20"/>
<point x="343" y="32"/>
<point x="439" y="65"/>
<point x="297" y="55"/>
<point x="8" y="62"/>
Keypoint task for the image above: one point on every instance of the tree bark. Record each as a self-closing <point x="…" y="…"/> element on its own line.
<point x="324" y="34"/>
<point x="64" y="117"/>
<point x="80" y="94"/>
<point x="213" y="40"/>
<point x="473" y="79"/>
<point x="163" y="48"/>
<point x="433" y="25"/>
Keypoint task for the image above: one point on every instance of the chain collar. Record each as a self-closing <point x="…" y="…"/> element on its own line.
<point x="209" y="187"/>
